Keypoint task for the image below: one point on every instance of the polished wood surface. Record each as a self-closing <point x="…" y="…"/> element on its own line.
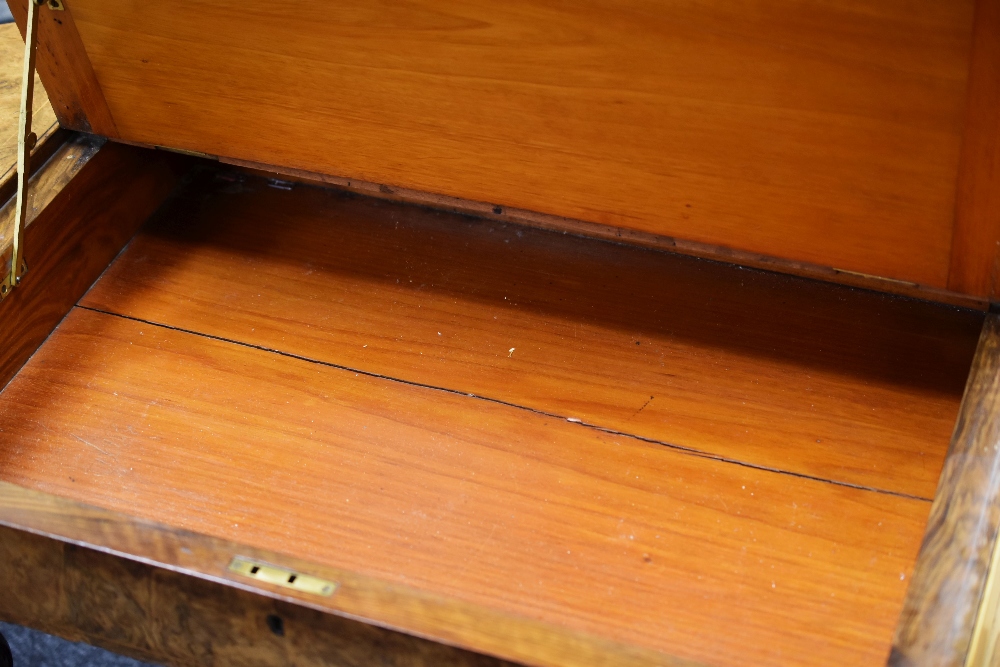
<point x="43" y="120"/>
<point x="826" y="134"/>
<point x="41" y="565"/>
<point x="64" y="67"/>
<point x="86" y="203"/>
<point x="944" y="598"/>
<point x="233" y="373"/>
<point x="975" y="249"/>
<point x="496" y="506"/>
<point x="770" y="371"/>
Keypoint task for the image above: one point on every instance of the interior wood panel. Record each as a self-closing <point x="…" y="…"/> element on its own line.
<point x="824" y="133"/>
<point x="768" y="370"/>
<point x="975" y="257"/>
<point x="517" y="511"/>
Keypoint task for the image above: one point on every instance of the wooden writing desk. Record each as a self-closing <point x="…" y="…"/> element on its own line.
<point x="479" y="393"/>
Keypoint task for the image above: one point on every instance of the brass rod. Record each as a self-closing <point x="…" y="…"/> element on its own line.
<point x="25" y="143"/>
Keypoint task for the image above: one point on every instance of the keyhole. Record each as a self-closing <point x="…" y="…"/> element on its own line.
<point x="276" y="624"/>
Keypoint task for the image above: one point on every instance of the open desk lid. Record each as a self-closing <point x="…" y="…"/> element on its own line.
<point x="826" y="135"/>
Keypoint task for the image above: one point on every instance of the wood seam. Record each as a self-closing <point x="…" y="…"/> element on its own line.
<point x="679" y="448"/>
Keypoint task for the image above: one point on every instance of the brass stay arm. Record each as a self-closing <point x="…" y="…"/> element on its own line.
<point x="26" y="140"/>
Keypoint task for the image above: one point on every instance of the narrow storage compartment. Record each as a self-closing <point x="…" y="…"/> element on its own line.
<point x="720" y="464"/>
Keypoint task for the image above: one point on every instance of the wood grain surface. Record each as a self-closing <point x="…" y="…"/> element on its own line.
<point x="943" y="601"/>
<point x="825" y="133"/>
<point x="495" y="506"/>
<point x="64" y="67"/>
<point x="181" y="620"/>
<point x="770" y="371"/>
<point x="43" y="119"/>
<point x="974" y="249"/>
<point x="86" y="203"/>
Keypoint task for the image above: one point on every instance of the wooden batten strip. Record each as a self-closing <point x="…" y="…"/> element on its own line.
<point x="86" y="202"/>
<point x="975" y="248"/>
<point x="66" y="72"/>
<point x="169" y="574"/>
<point x="943" y="601"/>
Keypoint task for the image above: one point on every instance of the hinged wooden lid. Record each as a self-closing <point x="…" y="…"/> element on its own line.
<point x="827" y="135"/>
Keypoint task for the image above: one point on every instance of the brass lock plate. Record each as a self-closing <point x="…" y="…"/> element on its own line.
<point x="280" y="576"/>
